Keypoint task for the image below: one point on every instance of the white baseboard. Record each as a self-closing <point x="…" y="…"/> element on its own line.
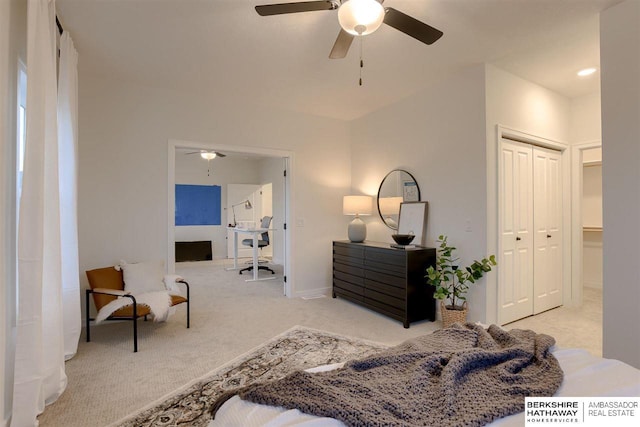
<point x="313" y="293"/>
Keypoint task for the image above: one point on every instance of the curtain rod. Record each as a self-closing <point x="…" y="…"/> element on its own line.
<point x="60" y="29"/>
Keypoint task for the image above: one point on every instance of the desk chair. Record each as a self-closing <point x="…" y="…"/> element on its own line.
<point x="264" y="241"/>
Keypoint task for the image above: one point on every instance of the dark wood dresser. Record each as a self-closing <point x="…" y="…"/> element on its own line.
<point x="385" y="279"/>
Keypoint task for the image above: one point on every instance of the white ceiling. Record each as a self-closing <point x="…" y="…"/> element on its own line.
<point x="224" y="49"/>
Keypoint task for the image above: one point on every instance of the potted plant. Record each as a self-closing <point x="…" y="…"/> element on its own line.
<point x="452" y="283"/>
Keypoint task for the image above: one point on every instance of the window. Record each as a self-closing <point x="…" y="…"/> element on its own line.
<point x="21" y="130"/>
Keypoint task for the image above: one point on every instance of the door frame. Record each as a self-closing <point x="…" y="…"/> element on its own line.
<point x="577" y="242"/>
<point x="173" y="144"/>
<point x="493" y="212"/>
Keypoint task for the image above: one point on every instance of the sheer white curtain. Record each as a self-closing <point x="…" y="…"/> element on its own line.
<point x="68" y="170"/>
<point x="39" y="367"/>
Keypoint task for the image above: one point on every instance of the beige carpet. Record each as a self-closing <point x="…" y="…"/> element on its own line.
<point x="107" y="381"/>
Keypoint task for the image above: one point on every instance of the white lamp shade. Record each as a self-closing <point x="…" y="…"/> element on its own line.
<point x="208" y="156"/>
<point x="357" y="205"/>
<point x="360" y="17"/>
<point x="389" y="205"/>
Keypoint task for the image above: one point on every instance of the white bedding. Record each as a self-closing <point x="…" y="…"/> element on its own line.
<point x="584" y="375"/>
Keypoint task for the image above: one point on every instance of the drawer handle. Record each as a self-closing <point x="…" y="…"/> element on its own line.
<point x="517" y="238"/>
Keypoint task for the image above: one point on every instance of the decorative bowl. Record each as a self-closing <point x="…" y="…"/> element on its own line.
<point x="403" y="239"/>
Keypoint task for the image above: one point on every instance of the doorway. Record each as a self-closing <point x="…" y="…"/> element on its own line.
<point x="586" y="169"/>
<point x="263" y="169"/>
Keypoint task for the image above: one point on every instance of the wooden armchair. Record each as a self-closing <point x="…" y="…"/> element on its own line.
<point x="107" y="284"/>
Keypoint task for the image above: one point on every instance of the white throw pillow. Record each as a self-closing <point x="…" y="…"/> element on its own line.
<point x="143" y="277"/>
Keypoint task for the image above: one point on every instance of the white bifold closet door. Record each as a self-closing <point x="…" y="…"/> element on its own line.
<point x="547" y="226"/>
<point x="530" y="216"/>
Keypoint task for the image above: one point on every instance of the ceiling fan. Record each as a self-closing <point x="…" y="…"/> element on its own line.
<point x="357" y="18"/>
<point x="208" y="154"/>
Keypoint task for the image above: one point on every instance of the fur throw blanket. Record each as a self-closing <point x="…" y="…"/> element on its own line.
<point x="462" y="375"/>
<point x="159" y="302"/>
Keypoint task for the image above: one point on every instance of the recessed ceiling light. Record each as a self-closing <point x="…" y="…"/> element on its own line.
<point x="586" y="72"/>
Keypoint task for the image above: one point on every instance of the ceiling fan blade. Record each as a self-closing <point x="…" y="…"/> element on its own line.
<point x="342" y="45"/>
<point x="411" y="26"/>
<point x="305" y="6"/>
<point x="220" y="154"/>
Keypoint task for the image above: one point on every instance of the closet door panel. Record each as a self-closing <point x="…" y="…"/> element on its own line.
<point x="515" y="292"/>
<point x="547" y="203"/>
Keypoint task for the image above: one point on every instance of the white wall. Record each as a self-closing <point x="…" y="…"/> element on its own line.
<point x="592" y="259"/>
<point x="620" y="87"/>
<point x="592" y="155"/>
<point x="592" y="196"/>
<point x="526" y="107"/>
<point x="585" y="124"/>
<point x="12" y="46"/>
<point x="439" y="136"/>
<point x="123" y="134"/>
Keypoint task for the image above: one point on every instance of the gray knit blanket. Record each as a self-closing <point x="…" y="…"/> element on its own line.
<point x="462" y="375"/>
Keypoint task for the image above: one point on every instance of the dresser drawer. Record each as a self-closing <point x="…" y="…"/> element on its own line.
<point x="350" y="251"/>
<point x="399" y="312"/>
<point x="370" y="294"/>
<point x="346" y="277"/>
<point x="394" y="270"/>
<point x="389" y="279"/>
<point x="348" y="287"/>
<point x="385" y="288"/>
<point x="343" y="259"/>
<point x="349" y="269"/>
<point x="385" y="257"/>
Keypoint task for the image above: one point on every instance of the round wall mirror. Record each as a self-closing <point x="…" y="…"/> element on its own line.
<point x="397" y="186"/>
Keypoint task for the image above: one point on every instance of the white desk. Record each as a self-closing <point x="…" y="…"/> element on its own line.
<point x="255" y="232"/>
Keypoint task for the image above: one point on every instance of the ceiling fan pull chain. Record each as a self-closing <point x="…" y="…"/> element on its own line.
<point x="361" y="62"/>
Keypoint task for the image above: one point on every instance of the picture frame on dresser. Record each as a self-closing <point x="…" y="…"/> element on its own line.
<point x="413" y="220"/>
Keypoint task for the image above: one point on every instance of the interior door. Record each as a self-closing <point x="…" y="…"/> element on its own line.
<point x="515" y="285"/>
<point x="547" y="259"/>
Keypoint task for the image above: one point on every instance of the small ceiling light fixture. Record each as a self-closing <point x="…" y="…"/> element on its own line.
<point x="586" y="72"/>
<point x="360" y="17"/>
<point x="207" y="155"/>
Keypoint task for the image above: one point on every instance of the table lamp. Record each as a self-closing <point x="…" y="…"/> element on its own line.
<point x="357" y="205"/>
<point x="247" y="205"/>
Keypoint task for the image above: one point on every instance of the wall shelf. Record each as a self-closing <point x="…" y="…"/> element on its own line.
<point x="592" y="163"/>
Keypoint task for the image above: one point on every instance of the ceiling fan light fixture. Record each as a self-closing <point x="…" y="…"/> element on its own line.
<point x="360" y="17"/>
<point x="208" y="156"/>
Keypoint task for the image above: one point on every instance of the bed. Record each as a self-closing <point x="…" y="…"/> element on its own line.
<point x="583" y="375"/>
